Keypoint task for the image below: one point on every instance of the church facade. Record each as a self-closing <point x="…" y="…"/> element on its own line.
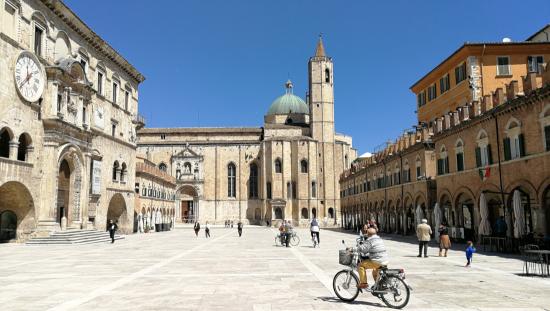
<point x="287" y="169"/>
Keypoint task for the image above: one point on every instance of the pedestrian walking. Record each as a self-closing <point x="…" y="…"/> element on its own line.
<point x="240" y="228"/>
<point x="112" y="228"/>
<point x="197" y="228"/>
<point x="423" y="233"/>
<point x="231" y="224"/>
<point x="444" y="241"/>
<point x="470" y="250"/>
<point x="207" y="230"/>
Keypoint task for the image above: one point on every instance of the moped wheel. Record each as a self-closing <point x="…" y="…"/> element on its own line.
<point x="397" y="292"/>
<point x="277" y="241"/>
<point x="346" y="285"/>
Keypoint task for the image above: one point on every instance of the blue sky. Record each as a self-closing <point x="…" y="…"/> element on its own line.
<point x="222" y="62"/>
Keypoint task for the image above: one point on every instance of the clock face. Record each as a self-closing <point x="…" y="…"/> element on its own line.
<point x="29" y="78"/>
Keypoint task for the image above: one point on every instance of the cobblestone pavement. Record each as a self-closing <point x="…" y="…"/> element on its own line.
<point x="177" y="271"/>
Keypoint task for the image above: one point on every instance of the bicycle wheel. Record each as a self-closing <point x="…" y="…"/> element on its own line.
<point x="398" y="293"/>
<point x="295" y="240"/>
<point x="346" y="285"/>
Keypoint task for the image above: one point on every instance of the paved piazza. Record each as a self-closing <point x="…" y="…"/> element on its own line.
<point x="177" y="271"/>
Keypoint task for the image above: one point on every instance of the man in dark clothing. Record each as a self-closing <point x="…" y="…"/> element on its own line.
<point x="197" y="228"/>
<point x="240" y="228"/>
<point x="112" y="228"/>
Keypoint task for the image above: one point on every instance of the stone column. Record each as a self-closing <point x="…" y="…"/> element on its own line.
<point x="46" y="201"/>
<point x="14" y="146"/>
<point x="30" y="153"/>
<point x="86" y="182"/>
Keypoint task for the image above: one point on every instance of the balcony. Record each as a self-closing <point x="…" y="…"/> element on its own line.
<point x="14" y="170"/>
<point x="139" y="121"/>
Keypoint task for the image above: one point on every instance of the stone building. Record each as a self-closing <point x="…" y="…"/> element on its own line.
<point x="488" y="158"/>
<point x="287" y="169"/>
<point x="390" y="184"/>
<point x="68" y="117"/>
<point x="155" y="196"/>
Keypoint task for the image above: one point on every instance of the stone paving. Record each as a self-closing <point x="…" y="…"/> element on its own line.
<point x="177" y="271"/>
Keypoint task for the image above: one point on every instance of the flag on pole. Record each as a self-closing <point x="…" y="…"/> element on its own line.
<point x="484" y="173"/>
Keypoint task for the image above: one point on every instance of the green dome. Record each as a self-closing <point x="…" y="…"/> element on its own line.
<point x="288" y="103"/>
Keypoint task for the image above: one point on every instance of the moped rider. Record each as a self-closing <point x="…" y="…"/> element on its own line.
<point x="375" y="255"/>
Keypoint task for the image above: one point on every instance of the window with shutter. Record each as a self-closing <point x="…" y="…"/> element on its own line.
<point x="507" y="151"/>
<point x="460" y="162"/>
<point x="547" y="137"/>
<point x="447" y="165"/>
<point x="439" y="167"/>
<point x="489" y="155"/>
<point x="521" y="145"/>
<point x="478" y="157"/>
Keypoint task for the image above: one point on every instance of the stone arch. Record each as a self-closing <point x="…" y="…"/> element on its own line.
<point x="6" y="137"/>
<point x="512" y="122"/>
<point x="17" y="212"/>
<point x="523" y="183"/>
<point x="69" y="199"/>
<point x="25" y="145"/>
<point x="117" y="211"/>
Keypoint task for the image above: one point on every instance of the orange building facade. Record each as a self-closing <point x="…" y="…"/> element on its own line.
<point x="478" y="156"/>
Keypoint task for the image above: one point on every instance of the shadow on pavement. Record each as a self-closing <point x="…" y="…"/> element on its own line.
<point x="355" y="302"/>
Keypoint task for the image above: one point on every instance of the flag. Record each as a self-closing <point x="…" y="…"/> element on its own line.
<point x="484" y="173"/>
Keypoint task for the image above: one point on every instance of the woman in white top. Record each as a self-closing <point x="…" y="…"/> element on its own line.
<point x="314" y="228"/>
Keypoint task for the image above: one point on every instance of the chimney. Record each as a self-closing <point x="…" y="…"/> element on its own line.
<point x="447" y="119"/>
<point x="498" y="97"/>
<point x="512" y="90"/>
<point x="476" y="105"/>
<point x="487" y="103"/>
<point x="466" y="112"/>
<point x="529" y="82"/>
<point x="455" y="120"/>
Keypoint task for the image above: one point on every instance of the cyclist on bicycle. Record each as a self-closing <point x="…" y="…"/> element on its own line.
<point x="287" y="232"/>
<point x="373" y="254"/>
<point x="314" y="228"/>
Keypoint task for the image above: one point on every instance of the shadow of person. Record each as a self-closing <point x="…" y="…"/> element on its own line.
<point x="355" y="302"/>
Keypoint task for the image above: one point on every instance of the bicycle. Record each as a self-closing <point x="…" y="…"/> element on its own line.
<point x="390" y="286"/>
<point x="294" y="239"/>
<point x="314" y="240"/>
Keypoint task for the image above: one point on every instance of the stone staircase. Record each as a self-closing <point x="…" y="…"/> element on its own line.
<point x="74" y="237"/>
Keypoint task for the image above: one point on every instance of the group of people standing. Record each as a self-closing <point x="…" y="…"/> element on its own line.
<point x="424" y="233"/>
<point x="197" y="228"/>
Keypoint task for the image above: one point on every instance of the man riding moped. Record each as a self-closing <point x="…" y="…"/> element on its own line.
<point x="373" y="254"/>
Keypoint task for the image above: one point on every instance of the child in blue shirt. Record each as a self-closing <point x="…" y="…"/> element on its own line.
<point x="470" y="250"/>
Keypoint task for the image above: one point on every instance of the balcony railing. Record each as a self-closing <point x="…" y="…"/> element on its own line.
<point x="139" y="121"/>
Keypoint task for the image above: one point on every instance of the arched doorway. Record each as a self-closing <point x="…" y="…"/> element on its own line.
<point x="465" y="211"/>
<point x="16" y="212"/>
<point x="63" y="190"/>
<point x="117" y="211"/>
<point x="69" y="183"/>
<point x="257" y="214"/>
<point x="189" y="203"/>
<point x="330" y="212"/>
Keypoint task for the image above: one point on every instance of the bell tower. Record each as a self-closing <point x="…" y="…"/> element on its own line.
<point x="321" y="95"/>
